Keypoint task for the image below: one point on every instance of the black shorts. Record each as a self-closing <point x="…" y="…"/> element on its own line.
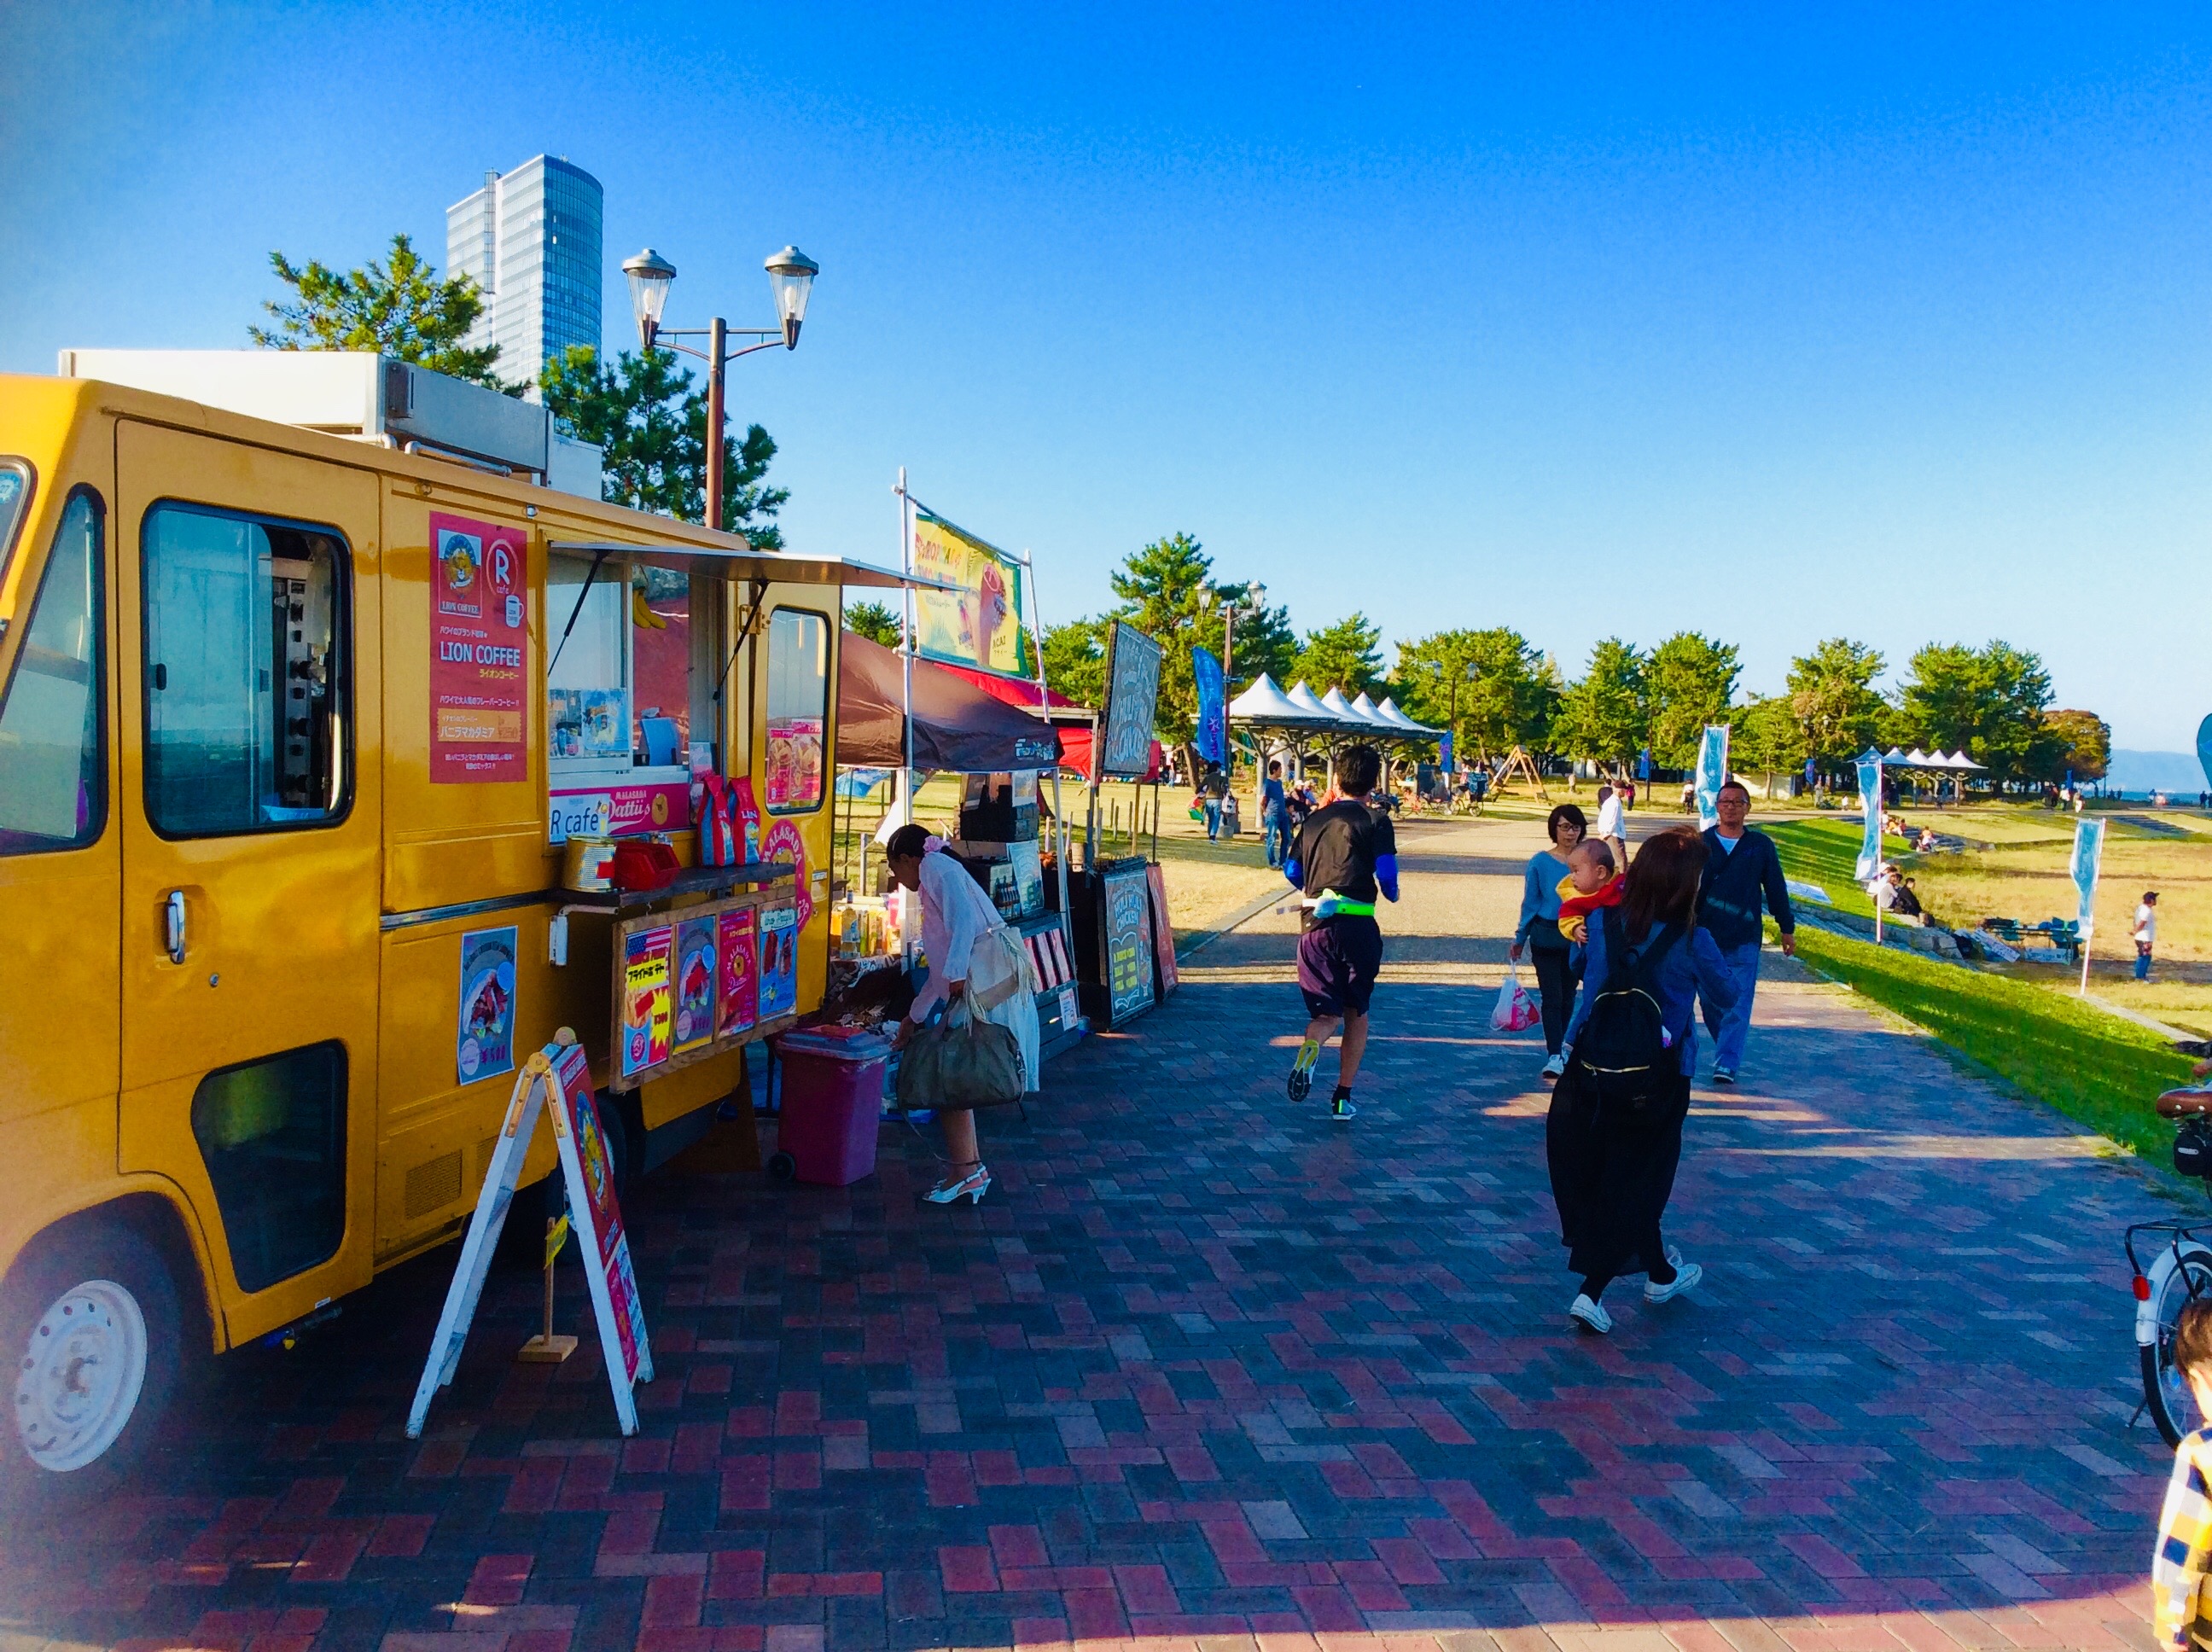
<point x="1337" y="961"/>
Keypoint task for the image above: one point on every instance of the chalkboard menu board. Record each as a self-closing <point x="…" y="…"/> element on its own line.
<point x="1127" y="935"/>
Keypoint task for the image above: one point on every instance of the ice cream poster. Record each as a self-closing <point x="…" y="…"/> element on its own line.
<point x="485" y="1045"/>
<point x="648" y="1014"/>
<point x="977" y="623"/>
<point x="696" y="982"/>
<point x="737" y="942"/>
<point x="779" y="961"/>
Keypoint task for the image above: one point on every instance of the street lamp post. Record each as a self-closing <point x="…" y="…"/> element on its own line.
<point x="791" y="279"/>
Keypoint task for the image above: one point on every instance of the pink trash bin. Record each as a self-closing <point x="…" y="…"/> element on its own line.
<point x="833" y="1097"/>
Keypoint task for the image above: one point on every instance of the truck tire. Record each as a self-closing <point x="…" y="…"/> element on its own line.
<point x="92" y="1333"/>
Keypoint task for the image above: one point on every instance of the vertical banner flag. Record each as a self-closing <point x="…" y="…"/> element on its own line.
<point x="1444" y="752"/>
<point x="1212" y="737"/>
<point x="1871" y="800"/>
<point x="1643" y="765"/>
<point x="2088" y="853"/>
<point x="978" y="624"/>
<point x="1712" y="772"/>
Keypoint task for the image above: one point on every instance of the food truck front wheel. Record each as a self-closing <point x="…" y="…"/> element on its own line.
<point x="92" y="1334"/>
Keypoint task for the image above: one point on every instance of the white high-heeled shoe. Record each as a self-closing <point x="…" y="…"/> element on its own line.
<point x="971" y="1186"/>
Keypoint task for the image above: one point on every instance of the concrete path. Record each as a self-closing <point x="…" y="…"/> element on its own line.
<point x="1206" y="1369"/>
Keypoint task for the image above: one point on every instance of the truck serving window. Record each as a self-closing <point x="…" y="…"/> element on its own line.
<point x="53" y="763"/>
<point x="247" y="691"/>
<point x="798" y="709"/>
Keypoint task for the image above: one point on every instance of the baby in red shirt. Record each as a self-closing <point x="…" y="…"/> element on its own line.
<point x="1591" y="883"/>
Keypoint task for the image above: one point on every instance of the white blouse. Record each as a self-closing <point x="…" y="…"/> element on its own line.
<point x="955" y="915"/>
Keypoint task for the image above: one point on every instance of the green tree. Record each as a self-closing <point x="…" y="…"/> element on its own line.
<point x="1346" y="655"/>
<point x="1168" y="591"/>
<point x="1490" y="688"/>
<point x="1075" y="660"/>
<point x="876" y="620"/>
<point x="650" y="424"/>
<point x="1765" y="738"/>
<point x="1604" y="716"/>
<point x="1691" y="679"/>
<point x="1265" y="643"/>
<point x="1990" y="700"/>
<point x="2084" y="749"/>
<point x="1833" y="697"/>
<point x="398" y="307"/>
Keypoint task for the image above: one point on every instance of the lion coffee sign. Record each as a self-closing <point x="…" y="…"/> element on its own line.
<point x="479" y="602"/>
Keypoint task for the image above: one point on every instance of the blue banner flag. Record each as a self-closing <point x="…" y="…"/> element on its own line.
<point x="1712" y="772"/>
<point x="1444" y="753"/>
<point x="1212" y="737"/>
<point x="1871" y="800"/>
<point x="2088" y="853"/>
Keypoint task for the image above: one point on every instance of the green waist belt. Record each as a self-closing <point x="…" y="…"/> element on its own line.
<point x="1350" y="909"/>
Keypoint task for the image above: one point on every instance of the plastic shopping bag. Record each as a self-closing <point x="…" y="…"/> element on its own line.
<point x="1516" y="1010"/>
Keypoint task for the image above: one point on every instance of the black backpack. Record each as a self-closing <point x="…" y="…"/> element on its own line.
<point x="1623" y="1049"/>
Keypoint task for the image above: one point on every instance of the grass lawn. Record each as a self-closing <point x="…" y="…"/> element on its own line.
<point x="2096" y="1069"/>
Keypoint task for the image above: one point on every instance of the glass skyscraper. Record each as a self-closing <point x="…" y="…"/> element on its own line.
<point x="530" y="237"/>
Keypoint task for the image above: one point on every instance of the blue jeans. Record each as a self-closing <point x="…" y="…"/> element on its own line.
<point x="1731" y="1026"/>
<point x="1275" y="831"/>
<point x="2142" y="963"/>
<point x="1213" y="818"/>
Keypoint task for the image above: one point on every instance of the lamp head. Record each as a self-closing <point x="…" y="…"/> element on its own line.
<point x="649" y="274"/>
<point x="791" y="278"/>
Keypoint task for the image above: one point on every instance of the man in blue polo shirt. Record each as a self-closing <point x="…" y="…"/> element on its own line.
<point x="1743" y="870"/>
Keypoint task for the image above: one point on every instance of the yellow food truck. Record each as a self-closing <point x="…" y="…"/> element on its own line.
<point x="315" y="676"/>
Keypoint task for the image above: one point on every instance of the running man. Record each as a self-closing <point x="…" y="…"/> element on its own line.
<point x="1344" y="855"/>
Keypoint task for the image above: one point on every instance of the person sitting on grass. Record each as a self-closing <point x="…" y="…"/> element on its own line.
<point x="2181" y="1615"/>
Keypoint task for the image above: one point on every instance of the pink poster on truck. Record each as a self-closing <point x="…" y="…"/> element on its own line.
<point x="479" y="601"/>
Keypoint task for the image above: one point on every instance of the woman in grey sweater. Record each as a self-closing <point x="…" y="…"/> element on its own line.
<point x="1539" y="930"/>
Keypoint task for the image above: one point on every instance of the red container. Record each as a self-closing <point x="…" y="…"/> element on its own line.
<point x="833" y="1097"/>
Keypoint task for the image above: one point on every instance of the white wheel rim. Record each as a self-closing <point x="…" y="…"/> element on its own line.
<point x="78" y="1378"/>
<point x="2180" y="1402"/>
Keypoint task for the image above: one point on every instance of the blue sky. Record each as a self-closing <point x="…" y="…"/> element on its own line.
<point x="1586" y="320"/>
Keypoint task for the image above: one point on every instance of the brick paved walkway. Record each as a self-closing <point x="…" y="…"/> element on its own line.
<point x="1206" y="1367"/>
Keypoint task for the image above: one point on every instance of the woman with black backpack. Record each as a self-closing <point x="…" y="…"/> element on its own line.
<point x="1615" y="1133"/>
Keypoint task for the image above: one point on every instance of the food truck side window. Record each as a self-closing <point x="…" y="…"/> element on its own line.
<point x="660" y="660"/>
<point x="587" y="692"/>
<point x="247" y="678"/>
<point x="798" y="710"/>
<point x="53" y="761"/>
<point x="15" y="504"/>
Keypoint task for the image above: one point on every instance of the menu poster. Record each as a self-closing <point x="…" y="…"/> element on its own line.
<point x="784" y="841"/>
<point x="779" y="961"/>
<point x="738" y="942"/>
<point x="485" y="1044"/>
<point x="479" y="600"/>
<point x="697" y="980"/>
<point x="583" y="1147"/>
<point x="1128" y="941"/>
<point x="647" y="1015"/>
<point x="1163" y="930"/>
<point x="794" y="762"/>
<point x="1028" y="877"/>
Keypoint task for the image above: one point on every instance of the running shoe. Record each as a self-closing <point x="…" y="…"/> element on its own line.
<point x="1590" y="1316"/>
<point x="1301" y="1069"/>
<point x="1723" y="1075"/>
<point x="1555" y="1067"/>
<point x="1342" y="1108"/>
<point x="1686" y="1275"/>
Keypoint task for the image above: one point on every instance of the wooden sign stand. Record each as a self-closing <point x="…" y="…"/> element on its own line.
<point x="557" y="1078"/>
<point x="545" y="1348"/>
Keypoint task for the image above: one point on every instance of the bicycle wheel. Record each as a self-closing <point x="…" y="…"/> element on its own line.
<point x="2173" y="1408"/>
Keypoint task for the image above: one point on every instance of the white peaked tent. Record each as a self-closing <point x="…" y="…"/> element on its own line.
<point x="1388" y="712"/>
<point x="1347" y="716"/>
<point x="1303" y="697"/>
<point x="1266" y="705"/>
<point x="1367" y="708"/>
<point x="1917" y="758"/>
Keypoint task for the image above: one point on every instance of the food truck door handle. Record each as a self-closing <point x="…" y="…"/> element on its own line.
<point x="176" y="925"/>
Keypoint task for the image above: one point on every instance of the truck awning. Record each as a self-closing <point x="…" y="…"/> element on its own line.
<point x="748" y="565"/>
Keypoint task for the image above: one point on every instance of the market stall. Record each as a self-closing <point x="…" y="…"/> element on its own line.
<point x="1000" y="751"/>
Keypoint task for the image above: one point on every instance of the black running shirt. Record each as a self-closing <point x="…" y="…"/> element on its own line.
<point x="1337" y="849"/>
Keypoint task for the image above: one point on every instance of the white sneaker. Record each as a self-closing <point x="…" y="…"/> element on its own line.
<point x="1555" y="1067"/>
<point x="1686" y="1275"/>
<point x="1591" y="1315"/>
